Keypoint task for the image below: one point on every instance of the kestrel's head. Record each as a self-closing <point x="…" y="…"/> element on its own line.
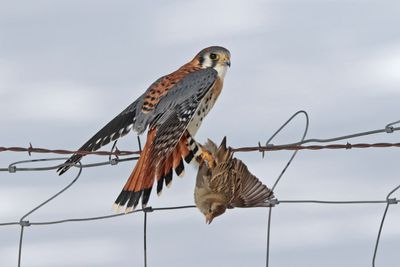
<point x="216" y="57"/>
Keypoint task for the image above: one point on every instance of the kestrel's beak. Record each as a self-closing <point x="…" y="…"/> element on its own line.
<point x="209" y="218"/>
<point x="227" y="62"/>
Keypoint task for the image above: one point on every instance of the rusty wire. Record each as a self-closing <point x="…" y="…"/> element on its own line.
<point x="23" y="222"/>
<point x="268" y="147"/>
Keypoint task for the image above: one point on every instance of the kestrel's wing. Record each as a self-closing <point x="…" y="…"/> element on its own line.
<point x="249" y="190"/>
<point x="117" y="127"/>
<point x="177" y="109"/>
<point x="136" y="116"/>
<point x="167" y="138"/>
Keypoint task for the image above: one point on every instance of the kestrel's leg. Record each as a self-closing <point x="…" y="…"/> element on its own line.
<point x="206" y="156"/>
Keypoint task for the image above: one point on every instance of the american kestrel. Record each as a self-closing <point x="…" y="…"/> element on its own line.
<point x="172" y="109"/>
<point x="225" y="182"/>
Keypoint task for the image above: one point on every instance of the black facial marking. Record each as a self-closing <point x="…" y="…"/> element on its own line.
<point x="201" y="60"/>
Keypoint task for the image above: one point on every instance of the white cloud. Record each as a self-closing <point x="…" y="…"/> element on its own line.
<point x="59" y="252"/>
<point x="298" y="68"/>
<point x="48" y="101"/>
<point x="383" y="68"/>
<point x="205" y="20"/>
<point x="7" y="76"/>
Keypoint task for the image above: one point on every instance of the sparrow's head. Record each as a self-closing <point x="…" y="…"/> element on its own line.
<point x="216" y="57"/>
<point x="212" y="209"/>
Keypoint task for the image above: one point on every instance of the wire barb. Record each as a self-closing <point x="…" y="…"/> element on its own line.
<point x="295" y="147"/>
<point x="389" y="128"/>
<point x="30" y="149"/>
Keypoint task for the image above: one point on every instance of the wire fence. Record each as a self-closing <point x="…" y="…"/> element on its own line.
<point x="122" y="156"/>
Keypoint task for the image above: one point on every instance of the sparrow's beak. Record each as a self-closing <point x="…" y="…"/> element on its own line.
<point x="209" y="218"/>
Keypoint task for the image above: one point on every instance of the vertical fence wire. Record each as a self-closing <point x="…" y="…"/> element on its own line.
<point x="268" y="235"/>
<point x="389" y="201"/>
<point x="23" y="223"/>
<point x="307" y="123"/>
<point x="145" y="238"/>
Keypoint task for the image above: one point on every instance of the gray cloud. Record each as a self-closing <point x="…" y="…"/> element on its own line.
<point x="68" y="67"/>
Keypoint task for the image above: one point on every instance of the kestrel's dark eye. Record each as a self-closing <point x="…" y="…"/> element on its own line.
<point x="213" y="56"/>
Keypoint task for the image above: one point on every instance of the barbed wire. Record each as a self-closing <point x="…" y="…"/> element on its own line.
<point x="295" y="147"/>
<point x="268" y="147"/>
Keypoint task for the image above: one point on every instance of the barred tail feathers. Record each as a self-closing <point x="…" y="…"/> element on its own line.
<point x="133" y="189"/>
<point x="149" y="169"/>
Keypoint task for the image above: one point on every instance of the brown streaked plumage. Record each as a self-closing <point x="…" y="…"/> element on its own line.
<point x="225" y="183"/>
<point x="164" y="84"/>
<point x="172" y="109"/>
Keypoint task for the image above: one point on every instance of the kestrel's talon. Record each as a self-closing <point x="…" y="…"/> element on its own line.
<point x="208" y="158"/>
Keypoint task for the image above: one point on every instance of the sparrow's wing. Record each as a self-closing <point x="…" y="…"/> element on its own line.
<point x="249" y="190"/>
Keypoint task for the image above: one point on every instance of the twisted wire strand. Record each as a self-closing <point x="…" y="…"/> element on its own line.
<point x="295" y="147"/>
<point x="269" y="147"/>
<point x="389" y="128"/>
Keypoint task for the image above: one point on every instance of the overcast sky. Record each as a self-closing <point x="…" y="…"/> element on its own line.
<point x="68" y="67"/>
